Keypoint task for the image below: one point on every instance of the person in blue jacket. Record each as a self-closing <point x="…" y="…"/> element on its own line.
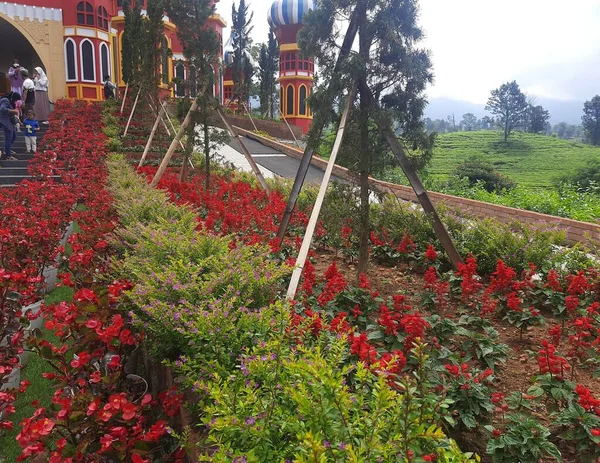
<point x="9" y="117"/>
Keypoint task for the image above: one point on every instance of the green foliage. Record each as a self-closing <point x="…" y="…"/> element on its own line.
<point x="268" y="64"/>
<point x="509" y="104"/>
<point x="586" y="177"/>
<point x="242" y="65"/>
<point x="308" y="404"/>
<point x="591" y="120"/>
<point x="530" y="160"/>
<point x="476" y="170"/>
<point x="524" y="440"/>
<point x="577" y="426"/>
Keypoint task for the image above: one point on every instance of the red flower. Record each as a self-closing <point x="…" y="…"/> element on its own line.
<point x="430" y="254"/>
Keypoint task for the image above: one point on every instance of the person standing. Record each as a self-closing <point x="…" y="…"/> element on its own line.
<point x="15" y="78"/>
<point x="31" y="126"/>
<point x="28" y="94"/>
<point x="109" y="88"/>
<point x="8" y="114"/>
<point x="41" y="106"/>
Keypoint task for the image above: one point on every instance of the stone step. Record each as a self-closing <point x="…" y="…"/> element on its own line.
<point x="13" y="164"/>
<point x="17" y="171"/>
<point x="13" y="179"/>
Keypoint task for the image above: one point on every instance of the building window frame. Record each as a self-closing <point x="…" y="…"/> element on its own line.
<point x="83" y="61"/>
<point x="179" y="90"/>
<point x="74" y="69"/>
<point x="104" y="70"/>
<point x="289" y="100"/>
<point x="103" y="18"/>
<point x="302" y="100"/>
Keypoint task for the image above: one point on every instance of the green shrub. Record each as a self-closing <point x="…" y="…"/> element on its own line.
<point x="478" y="170"/>
<point x="587" y="177"/>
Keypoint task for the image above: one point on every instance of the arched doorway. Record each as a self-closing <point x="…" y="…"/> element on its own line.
<point x="15" y="45"/>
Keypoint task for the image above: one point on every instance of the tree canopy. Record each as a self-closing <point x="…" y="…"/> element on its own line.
<point x="242" y="42"/>
<point x="268" y="63"/>
<point x="390" y="71"/>
<point x="591" y="120"/>
<point x="509" y="104"/>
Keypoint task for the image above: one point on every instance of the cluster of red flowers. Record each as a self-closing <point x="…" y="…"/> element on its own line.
<point x="98" y="408"/>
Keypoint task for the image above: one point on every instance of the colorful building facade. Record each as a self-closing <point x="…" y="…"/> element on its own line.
<point x="78" y="42"/>
<point x="295" y="71"/>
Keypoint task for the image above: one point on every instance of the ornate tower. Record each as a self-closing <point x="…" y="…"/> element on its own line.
<point x="295" y="71"/>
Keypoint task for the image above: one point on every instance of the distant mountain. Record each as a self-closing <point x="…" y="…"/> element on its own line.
<point x="560" y="110"/>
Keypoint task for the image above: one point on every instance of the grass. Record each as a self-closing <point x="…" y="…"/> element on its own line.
<point x="533" y="161"/>
<point x="40" y="388"/>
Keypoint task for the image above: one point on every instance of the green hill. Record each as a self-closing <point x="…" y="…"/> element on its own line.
<point x="530" y="160"/>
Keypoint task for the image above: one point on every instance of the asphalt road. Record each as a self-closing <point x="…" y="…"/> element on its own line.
<point x="277" y="162"/>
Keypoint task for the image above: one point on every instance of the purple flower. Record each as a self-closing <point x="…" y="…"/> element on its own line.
<point x="250" y="421"/>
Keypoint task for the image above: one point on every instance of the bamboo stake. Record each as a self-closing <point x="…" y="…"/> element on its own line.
<point x="247" y="154"/>
<point x="248" y="112"/>
<point x="314" y="216"/>
<point x="171" y="150"/>
<point x="132" y="111"/>
<point x="155" y="111"/>
<point x="149" y="142"/>
<point x="291" y="131"/>
<point x="419" y="189"/>
<point x="124" y="98"/>
<point x="318" y="125"/>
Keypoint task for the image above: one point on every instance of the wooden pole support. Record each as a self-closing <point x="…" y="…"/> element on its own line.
<point x="149" y="142"/>
<point x="247" y="154"/>
<point x="314" y="216"/>
<point x="132" y="111"/>
<point x="124" y="98"/>
<point x="173" y="146"/>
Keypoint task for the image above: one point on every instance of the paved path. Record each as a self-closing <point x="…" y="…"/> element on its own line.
<point x="270" y="161"/>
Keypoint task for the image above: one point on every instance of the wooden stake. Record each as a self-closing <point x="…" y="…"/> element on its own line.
<point x="251" y="120"/>
<point x="149" y="142"/>
<point x="171" y="150"/>
<point x="314" y="216"/>
<point x="124" y="98"/>
<point x="317" y="128"/>
<point x="291" y="131"/>
<point x="132" y="111"/>
<point x="247" y="154"/>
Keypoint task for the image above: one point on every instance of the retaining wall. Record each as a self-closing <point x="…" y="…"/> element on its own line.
<point x="575" y="230"/>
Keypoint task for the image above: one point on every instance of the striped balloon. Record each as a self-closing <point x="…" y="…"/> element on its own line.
<point x="286" y="12"/>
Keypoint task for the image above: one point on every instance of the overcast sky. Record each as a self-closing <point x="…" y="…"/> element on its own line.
<point x="551" y="47"/>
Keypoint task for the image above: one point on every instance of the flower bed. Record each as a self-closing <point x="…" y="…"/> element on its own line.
<point x="101" y="409"/>
<point x="463" y="343"/>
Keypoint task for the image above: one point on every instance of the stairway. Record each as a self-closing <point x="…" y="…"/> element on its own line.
<point x="12" y="172"/>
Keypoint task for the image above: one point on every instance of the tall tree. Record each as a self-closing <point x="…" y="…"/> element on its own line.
<point x="537" y="118"/>
<point x="268" y="62"/>
<point x="390" y="72"/>
<point x="242" y="69"/>
<point x="469" y="122"/>
<point x="142" y="45"/>
<point x="508" y="103"/>
<point x="201" y="51"/>
<point x="591" y="120"/>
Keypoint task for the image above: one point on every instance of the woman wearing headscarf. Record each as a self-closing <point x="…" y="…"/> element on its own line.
<point x="41" y="106"/>
<point x="8" y="117"/>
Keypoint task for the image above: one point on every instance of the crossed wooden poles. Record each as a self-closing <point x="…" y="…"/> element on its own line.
<point x="318" y="124"/>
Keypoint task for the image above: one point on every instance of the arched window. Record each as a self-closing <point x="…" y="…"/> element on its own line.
<point x="88" y="61"/>
<point x="70" y="60"/>
<point x="289" y="108"/>
<point x="102" y="18"/>
<point x="104" y="61"/>
<point x="180" y="80"/>
<point x="85" y="14"/>
<point x="164" y="59"/>
<point x="302" y="101"/>
<point x="281" y="101"/>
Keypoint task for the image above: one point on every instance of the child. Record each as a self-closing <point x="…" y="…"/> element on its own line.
<point x="31" y="126"/>
<point x="109" y="88"/>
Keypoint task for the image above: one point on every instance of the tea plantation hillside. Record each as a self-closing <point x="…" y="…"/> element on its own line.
<point x="530" y="160"/>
